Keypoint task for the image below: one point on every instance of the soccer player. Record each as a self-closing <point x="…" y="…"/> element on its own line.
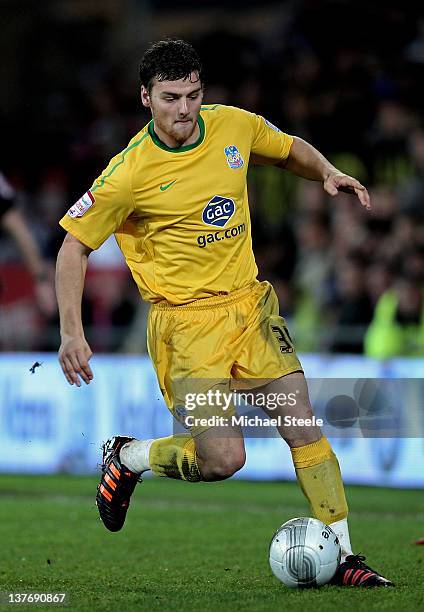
<point x="176" y="200"/>
<point x="12" y="220"/>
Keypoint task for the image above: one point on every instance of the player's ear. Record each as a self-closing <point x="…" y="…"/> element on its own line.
<point x="145" y="96"/>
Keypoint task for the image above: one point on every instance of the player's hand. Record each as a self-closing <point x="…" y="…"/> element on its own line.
<point x="337" y="181"/>
<point x="74" y="355"/>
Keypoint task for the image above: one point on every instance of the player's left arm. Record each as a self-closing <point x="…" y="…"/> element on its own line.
<point x="306" y="161"/>
<point x="269" y="145"/>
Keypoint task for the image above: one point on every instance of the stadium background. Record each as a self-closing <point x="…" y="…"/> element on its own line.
<point x="343" y="75"/>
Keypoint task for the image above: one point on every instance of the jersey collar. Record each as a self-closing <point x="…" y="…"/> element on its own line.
<point x="165" y="147"/>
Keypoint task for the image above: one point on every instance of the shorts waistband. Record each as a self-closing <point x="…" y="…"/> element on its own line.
<point x="215" y="301"/>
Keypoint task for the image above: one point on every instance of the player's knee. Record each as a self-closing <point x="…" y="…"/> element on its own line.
<point x="224" y="465"/>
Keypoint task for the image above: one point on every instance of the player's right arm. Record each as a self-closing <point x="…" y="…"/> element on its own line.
<point x="89" y="222"/>
<point x="74" y="352"/>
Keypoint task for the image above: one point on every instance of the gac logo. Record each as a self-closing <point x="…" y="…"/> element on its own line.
<point x="218" y="211"/>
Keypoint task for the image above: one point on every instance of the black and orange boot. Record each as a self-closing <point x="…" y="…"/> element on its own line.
<point x="116" y="485"/>
<point x="354" y="572"/>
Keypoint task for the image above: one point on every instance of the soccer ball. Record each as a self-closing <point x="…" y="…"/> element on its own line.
<point x="304" y="553"/>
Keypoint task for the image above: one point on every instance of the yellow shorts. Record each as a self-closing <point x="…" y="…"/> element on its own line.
<point x="227" y="342"/>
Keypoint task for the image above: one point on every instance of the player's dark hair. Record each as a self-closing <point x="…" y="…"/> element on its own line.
<point x="169" y="60"/>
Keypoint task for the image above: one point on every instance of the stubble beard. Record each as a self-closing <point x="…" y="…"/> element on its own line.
<point x="172" y="131"/>
<point x="179" y="137"/>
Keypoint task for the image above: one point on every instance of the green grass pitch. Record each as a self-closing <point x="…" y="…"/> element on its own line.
<point x="194" y="547"/>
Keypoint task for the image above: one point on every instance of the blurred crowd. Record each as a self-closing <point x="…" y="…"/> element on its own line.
<point x="349" y="281"/>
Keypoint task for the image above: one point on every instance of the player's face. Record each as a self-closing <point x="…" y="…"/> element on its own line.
<point x="175" y="106"/>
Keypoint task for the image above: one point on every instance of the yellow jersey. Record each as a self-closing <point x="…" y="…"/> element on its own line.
<point x="181" y="216"/>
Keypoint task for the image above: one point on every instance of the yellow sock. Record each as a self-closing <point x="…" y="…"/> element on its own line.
<point x="319" y="476"/>
<point x="175" y="457"/>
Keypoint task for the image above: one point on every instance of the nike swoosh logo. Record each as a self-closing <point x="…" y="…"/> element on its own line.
<point x="165" y="187"/>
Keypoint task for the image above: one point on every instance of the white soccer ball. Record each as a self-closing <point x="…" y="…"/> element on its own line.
<point x="304" y="553"/>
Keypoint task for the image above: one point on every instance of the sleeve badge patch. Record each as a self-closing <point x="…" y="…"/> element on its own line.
<point x="271" y="125"/>
<point x="82" y="205"/>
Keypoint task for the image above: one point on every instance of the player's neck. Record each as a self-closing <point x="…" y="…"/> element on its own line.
<point x="170" y="142"/>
